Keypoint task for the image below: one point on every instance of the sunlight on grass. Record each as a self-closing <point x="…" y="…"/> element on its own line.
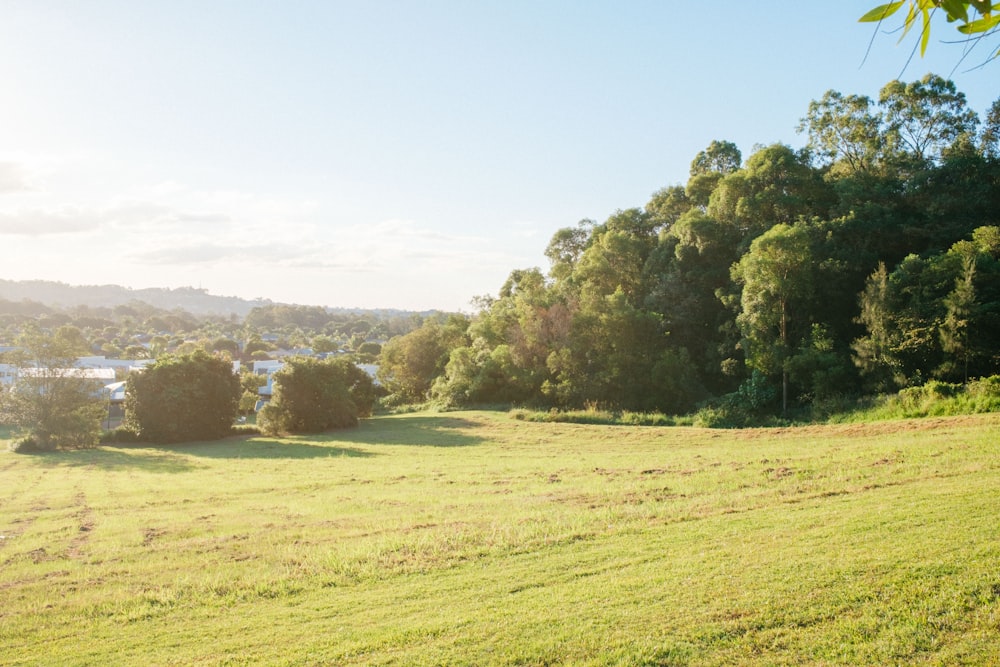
<point x="474" y="538"/>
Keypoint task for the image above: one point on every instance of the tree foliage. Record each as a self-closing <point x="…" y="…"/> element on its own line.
<point x="313" y="395"/>
<point x="409" y="364"/>
<point x="759" y="278"/>
<point x="182" y="398"/>
<point x="975" y="20"/>
<point x="52" y="400"/>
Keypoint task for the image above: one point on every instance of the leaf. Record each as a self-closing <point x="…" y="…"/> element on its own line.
<point x="980" y="25"/>
<point x="911" y="18"/>
<point x="881" y="12"/>
<point x="956" y="10"/>
<point x="925" y="34"/>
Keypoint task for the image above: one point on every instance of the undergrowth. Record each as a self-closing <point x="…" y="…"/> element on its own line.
<point x="933" y="399"/>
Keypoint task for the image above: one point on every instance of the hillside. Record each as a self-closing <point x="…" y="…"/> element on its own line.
<point x="470" y="538"/>
<point x="61" y="295"/>
<point x="190" y="299"/>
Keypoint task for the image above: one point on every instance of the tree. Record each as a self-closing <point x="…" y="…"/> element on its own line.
<point x="954" y="330"/>
<point x="924" y="118"/>
<point x="509" y="344"/>
<point x="708" y="168"/>
<point x="181" y="398"/>
<point x="250" y="384"/>
<point x="226" y="345"/>
<point x="978" y="24"/>
<point x="776" y="276"/>
<point x="843" y="130"/>
<point x="989" y="140"/>
<point x="324" y="344"/>
<point x="409" y="364"/>
<point x="566" y="248"/>
<point x="313" y="395"/>
<point x="874" y="353"/>
<point x="72" y="340"/>
<point x="777" y="185"/>
<point x="52" y="400"/>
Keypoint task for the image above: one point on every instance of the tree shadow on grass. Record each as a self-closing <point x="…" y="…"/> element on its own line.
<point x="410" y="431"/>
<point x="105" y="458"/>
<point x="403" y="430"/>
<point x="182" y="457"/>
<point x="257" y="447"/>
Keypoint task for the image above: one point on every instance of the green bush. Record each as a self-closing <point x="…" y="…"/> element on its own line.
<point x="312" y="396"/>
<point x="182" y="398"/>
<point x="646" y="419"/>
<point x="25" y="445"/>
<point x="120" y="435"/>
<point x="747" y="406"/>
<point x="931" y="399"/>
<point x="594" y="416"/>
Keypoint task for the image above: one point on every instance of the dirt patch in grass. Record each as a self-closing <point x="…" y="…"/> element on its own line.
<point x="86" y="518"/>
<point x="151" y="534"/>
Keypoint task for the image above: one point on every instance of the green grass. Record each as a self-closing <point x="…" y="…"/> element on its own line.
<point x="473" y="538"/>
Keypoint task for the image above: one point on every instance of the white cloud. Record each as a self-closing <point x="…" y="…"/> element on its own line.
<point x="38" y="222"/>
<point x="214" y="253"/>
<point x="14" y="178"/>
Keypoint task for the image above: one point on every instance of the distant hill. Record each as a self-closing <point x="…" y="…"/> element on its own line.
<point x="61" y="295"/>
<point x="193" y="300"/>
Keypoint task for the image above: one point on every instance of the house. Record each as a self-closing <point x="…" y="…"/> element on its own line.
<point x="8" y="373"/>
<point x="98" y="377"/>
<point x="100" y="361"/>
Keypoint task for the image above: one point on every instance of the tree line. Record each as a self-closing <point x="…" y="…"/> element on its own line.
<point x="52" y="403"/>
<point x="865" y="262"/>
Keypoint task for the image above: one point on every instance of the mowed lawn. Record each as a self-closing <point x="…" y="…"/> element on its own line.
<point x="473" y="539"/>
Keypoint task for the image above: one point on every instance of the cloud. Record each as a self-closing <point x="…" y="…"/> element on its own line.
<point x="13" y="178"/>
<point x="392" y="247"/>
<point x="39" y="222"/>
<point x="215" y="253"/>
<point x="124" y="217"/>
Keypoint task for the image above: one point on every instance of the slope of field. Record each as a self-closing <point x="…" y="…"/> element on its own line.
<point x="472" y="538"/>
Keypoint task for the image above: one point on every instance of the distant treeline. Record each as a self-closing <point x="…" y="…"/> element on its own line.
<point x="136" y="329"/>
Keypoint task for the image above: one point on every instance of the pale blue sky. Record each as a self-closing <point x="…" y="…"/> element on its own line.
<point x="387" y="154"/>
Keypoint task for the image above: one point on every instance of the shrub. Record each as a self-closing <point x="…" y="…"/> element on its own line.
<point x="25" y="445"/>
<point x="747" y="406"/>
<point x="182" y="398"/>
<point x="311" y="396"/>
<point x="119" y="435"/>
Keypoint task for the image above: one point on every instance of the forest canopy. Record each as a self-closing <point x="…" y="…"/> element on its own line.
<point x="867" y="261"/>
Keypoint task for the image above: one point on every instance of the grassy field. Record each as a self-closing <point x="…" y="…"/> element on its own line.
<point x="472" y="538"/>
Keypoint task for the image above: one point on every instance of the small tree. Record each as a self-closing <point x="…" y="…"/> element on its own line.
<point x="312" y="395"/>
<point x="250" y="384"/>
<point x="182" y="398"/>
<point x="776" y="275"/>
<point x="52" y="400"/>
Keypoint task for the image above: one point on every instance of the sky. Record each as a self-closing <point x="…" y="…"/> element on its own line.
<point x="389" y="154"/>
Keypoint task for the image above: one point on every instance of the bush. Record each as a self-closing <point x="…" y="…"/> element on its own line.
<point x="25" y="445"/>
<point x="747" y="406"/>
<point x="934" y="398"/>
<point x="120" y="435"/>
<point x="312" y="396"/>
<point x="182" y="398"/>
<point x="594" y="416"/>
